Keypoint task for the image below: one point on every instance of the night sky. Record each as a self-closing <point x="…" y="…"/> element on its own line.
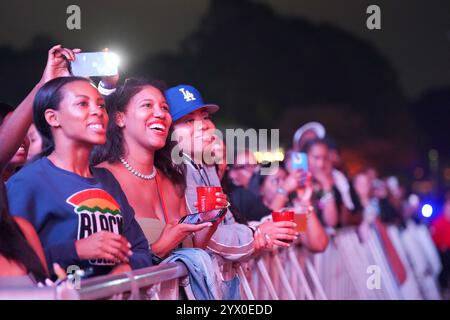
<point x="415" y="35"/>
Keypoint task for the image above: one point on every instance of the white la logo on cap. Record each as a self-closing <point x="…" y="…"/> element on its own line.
<point x="188" y="96"/>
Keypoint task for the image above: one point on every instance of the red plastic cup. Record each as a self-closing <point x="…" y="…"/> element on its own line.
<point x="206" y="198"/>
<point x="283" y="216"/>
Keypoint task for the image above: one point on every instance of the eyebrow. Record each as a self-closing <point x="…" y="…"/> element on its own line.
<point x="86" y="97"/>
<point x="146" y="99"/>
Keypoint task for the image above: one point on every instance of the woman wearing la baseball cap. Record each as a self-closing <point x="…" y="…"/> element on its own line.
<point x="194" y="132"/>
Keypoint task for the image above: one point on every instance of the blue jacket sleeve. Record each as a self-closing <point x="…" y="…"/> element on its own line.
<point x="22" y="200"/>
<point x="64" y="254"/>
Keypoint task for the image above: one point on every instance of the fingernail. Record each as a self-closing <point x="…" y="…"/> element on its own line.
<point x="130" y="253"/>
<point x="295" y="224"/>
<point x="129" y="245"/>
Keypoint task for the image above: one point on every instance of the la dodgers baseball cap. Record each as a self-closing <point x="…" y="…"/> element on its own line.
<point x="184" y="99"/>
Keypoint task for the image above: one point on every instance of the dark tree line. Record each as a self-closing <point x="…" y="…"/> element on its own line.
<point x="273" y="71"/>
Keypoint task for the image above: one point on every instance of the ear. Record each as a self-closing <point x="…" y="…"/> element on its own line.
<point x="52" y="118"/>
<point x="177" y="134"/>
<point x="120" y="119"/>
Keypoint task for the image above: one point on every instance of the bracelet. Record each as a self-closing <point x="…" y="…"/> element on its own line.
<point x="253" y="230"/>
<point x="308" y="209"/>
<point x="327" y="196"/>
<point x="104" y="91"/>
<point x="156" y="259"/>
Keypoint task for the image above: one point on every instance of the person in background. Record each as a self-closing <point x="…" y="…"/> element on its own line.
<point x="22" y="259"/>
<point x="275" y="189"/>
<point x="309" y="131"/>
<point x="388" y="213"/>
<point x="364" y="200"/>
<point x="326" y="196"/>
<point x="312" y="131"/>
<point x="245" y="172"/>
<point x="315" y="238"/>
<point x="18" y="159"/>
<point x="248" y="208"/>
<point x="240" y="175"/>
<point x="81" y="214"/>
<point x="440" y="232"/>
<point x="35" y="142"/>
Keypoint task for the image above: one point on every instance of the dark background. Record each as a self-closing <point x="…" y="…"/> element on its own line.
<point x="383" y="95"/>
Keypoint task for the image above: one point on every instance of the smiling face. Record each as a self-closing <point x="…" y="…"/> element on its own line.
<point x="146" y="121"/>
<point x="20" y="157"/>
<point x="194" y="132"/>
<point x="81" y="116"/>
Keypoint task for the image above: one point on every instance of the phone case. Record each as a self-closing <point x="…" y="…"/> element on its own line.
<point x="95" y="64"/>
<point x="299" y="160"/>
<point x="205" y="216"/>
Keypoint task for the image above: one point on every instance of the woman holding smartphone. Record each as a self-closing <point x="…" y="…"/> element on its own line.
<point x="137" y="155"/>
<point x="81" y="214"/>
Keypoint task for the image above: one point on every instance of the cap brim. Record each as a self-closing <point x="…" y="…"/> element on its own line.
<point x="317" y="127"/>
<point x="210" y="108"/>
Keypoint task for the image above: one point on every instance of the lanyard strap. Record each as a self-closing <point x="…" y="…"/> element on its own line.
<point x="199" y="169"/>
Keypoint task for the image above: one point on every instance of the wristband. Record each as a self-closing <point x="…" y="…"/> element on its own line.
<point x="105" y="91"/>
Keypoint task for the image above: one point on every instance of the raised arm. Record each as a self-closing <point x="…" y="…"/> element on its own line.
<point x="14" y="130"/>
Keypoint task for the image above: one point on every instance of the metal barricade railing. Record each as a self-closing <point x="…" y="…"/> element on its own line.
<point x="340" y="272"/>
<point x="156" y="282"/>
<point x="410" y="289"/>
<point x="423" y="266"/>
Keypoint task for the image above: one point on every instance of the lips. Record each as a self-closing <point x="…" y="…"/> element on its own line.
<point x="158" y="127"/>
<point x="97" y="127"/>
<point x="204" y="137"/>
<point x="21" y="149"/>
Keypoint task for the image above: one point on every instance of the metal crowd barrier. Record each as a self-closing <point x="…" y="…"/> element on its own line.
<point x="156" y="282"/>
<point x="344" y="270"/>
<point x="341" y="272"/>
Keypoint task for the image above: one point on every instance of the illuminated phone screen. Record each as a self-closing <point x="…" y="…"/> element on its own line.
<point x="205" y="216"/>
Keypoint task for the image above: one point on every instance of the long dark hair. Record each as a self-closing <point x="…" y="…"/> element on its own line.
<point x="114" y="147"/>
<point x="49" y="97"/>
<point x="13" y="244"/>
